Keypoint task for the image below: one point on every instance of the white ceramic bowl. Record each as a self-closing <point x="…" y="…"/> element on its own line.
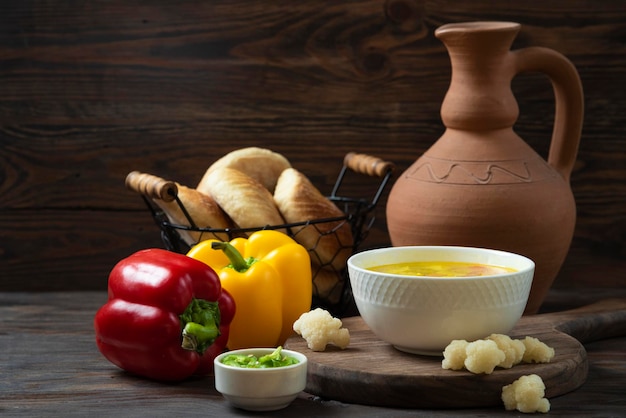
<point x="260" y="389"/>
<point x="422" y="315"/>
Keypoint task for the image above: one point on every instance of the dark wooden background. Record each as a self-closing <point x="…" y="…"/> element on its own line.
<point x="91" y="90"/>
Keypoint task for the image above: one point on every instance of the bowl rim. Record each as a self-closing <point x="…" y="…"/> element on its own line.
<point x="302" y="359"/>
<point x="407" y="248"/>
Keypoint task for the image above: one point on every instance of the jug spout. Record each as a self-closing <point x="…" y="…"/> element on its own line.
<point x="479" y="96"/>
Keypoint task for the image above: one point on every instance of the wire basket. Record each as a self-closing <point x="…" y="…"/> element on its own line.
<point x="358" y="213"/>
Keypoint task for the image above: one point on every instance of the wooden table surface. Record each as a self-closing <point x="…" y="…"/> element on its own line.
<point x="50" y="366"/>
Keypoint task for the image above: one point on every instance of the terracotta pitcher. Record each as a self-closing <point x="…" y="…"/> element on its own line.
<point x="480" y="184"/>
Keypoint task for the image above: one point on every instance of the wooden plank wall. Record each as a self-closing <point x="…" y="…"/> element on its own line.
<point x="92" y="90"/>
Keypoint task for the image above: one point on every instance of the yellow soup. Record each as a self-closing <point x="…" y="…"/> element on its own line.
<point x="441" y="269"/>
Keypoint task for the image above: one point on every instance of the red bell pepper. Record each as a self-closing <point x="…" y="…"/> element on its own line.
<point x="166" y="318"/>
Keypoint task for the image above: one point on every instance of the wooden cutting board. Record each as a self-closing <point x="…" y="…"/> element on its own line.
<point x="372" y="372"/>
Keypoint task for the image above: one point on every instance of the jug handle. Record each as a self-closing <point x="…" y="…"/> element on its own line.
<point x="569" y="106"/>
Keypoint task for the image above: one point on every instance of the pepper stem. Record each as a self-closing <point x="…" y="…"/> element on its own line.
<point x="237" y="261"/>
<point x="200" y="325"/>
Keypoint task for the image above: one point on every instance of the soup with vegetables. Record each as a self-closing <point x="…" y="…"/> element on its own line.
<point x="441" y="269"/>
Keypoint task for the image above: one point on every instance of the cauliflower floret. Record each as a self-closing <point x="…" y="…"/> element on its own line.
<point x="513" y="349"/>
<point x="319" y="328"/>
<point x="536" y="351"/>
<point x="483" y="356"/>
<point x="454" y="355"/>
<point x="526" y="395"/>
<point x="497" y="350"/>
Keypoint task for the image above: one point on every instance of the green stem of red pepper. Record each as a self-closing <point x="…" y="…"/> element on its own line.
<point x="237" y="262"/>
<point x="200" y="322"/>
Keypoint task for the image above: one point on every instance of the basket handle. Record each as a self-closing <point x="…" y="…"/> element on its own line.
<point x="367" y="164"/>
<point x="152" y="186"/>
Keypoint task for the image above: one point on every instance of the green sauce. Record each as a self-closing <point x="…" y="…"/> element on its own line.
<point x="250" y="361"/>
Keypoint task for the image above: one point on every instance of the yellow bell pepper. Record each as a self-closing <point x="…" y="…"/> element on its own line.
<point x="269" y="277"/>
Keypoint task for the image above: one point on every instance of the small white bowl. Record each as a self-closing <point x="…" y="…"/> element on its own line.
<point x="260" y="389"/>
<point x="422" y="315"/>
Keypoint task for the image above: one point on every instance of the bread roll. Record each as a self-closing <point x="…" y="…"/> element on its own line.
<point x="261" y="164"/>
<point x="246" y="201"/>
<point x="202" y="209"/>
<point x="298" y="200"/>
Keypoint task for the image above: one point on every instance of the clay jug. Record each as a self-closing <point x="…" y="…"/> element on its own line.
<point x="480" y="184"/>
